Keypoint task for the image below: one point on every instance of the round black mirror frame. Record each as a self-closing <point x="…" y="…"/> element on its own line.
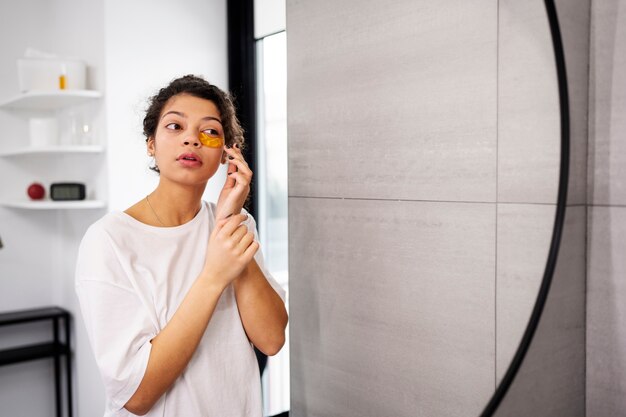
<point x="559" y="220"/>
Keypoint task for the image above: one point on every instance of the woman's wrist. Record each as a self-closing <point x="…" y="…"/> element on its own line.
<point x="210" y="282"/>
<point x="223" y="214"/>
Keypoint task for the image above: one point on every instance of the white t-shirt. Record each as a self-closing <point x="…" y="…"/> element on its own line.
<point x="130" y="280"/>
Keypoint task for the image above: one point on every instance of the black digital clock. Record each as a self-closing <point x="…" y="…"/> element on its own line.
<point x="61" y="191"/>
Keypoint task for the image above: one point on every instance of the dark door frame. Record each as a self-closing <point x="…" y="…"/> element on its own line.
<point x="242" y="82"/>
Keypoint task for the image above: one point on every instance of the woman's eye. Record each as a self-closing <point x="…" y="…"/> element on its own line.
<point x="172" y="126"/>
<point x="211" y="132"/>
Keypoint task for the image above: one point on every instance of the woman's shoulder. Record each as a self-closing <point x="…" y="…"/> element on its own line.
<point x="110" y="221"/>
<point x="103" y="228"/>
<point x="211" y="206"/>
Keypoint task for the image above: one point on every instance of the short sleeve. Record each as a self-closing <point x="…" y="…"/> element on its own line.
<point x="258" y="257"/>
<point x="117" y="324"/>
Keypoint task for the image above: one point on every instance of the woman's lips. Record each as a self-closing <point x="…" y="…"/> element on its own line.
<point x="189" y="159"/>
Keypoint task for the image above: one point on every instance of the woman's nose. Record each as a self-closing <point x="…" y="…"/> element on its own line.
<point x="193" y="141"/>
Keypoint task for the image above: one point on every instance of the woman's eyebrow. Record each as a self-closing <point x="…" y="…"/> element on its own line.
<point x="184" y="115"/>
<point x="174" y="112"/>
<point x="212" y="118"/>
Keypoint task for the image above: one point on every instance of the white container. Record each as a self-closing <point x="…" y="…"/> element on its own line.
<point x="43" y="132"/>
<point x="44" y="74"/>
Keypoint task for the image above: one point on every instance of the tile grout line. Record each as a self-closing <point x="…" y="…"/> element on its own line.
<point x="587" y="209"/>
<point x="495" y="291"/>
<point x="444" y="201"/>
<point x="606" y="205"/>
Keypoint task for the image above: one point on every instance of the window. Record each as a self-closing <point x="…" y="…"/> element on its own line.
<point x="271" y="54"/>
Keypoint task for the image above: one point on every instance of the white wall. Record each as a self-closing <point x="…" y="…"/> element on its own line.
<point x="147" y="44"/>
<point x="132" y="49"/>
<point x="269" y="17"/>
<point x="34" y="262"/>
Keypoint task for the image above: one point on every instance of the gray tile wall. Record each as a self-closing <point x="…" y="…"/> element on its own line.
<point x="607" y="118"/>
<point x="423" y="168"/>
<point x="551" y="380"/>
<point x="391" y="313"/>
<point x="606" y="312"/>
<point x="521" y="262"/>
<point x="392" y="99"/>
<point x="392" y="185"/>
<point x="528" y="105"/>
<point x="606" y="291"/>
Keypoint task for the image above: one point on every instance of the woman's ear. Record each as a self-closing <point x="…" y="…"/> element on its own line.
<point x="150" y="146"/>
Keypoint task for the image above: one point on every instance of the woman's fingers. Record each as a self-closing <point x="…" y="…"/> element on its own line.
<point x="230" y="224"/>
<point x="251" y="250"/>
<point x="239" y="233"/>
<point x="234" y="151"/>
<point x="240" y="179"/>
<point x="236" y="157"/>
<point x="246" y="240"/>
<point x="242" y="166"/>
<point x="219" y="224"/>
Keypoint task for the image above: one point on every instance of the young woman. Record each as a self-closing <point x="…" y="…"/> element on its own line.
<point x="173" y="291"/>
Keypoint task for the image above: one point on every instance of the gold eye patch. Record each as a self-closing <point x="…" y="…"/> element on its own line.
<point x="211" y="141"/>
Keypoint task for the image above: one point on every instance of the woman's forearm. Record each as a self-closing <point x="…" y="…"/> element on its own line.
<point x="174" y="346"/>
<point x="262" y="311"/>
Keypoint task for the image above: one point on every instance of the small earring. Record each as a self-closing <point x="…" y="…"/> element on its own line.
<point x="150" y="154"/>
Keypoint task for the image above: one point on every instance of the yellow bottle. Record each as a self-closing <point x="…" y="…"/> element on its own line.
<point x="63" y="79"/>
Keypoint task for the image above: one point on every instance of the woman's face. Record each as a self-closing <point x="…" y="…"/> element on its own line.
<point x="176" y="145"/>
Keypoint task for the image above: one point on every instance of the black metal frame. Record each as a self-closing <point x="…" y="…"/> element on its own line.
<point x="242" y="85"/>
<point x="559" y="221"/>
<point x="54" y="349"/>
<point x="242" y="81"/>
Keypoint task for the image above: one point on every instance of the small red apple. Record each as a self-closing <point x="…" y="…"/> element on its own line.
<point x="36" y="191"/>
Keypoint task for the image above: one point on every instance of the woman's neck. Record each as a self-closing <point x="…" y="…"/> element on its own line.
<point x="173" y="204"/>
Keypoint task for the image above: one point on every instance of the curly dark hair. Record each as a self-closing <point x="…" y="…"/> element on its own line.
<point x="198" y="87"/>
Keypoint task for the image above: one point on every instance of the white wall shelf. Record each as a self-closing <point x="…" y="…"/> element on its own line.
<point x="51" y="205"/>
<point x="51" y="150"/>
<point x="50" y="100"/>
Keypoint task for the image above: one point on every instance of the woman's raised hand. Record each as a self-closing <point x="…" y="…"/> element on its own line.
<point x="231" y="248"/>
<point x="237" y="185"/>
